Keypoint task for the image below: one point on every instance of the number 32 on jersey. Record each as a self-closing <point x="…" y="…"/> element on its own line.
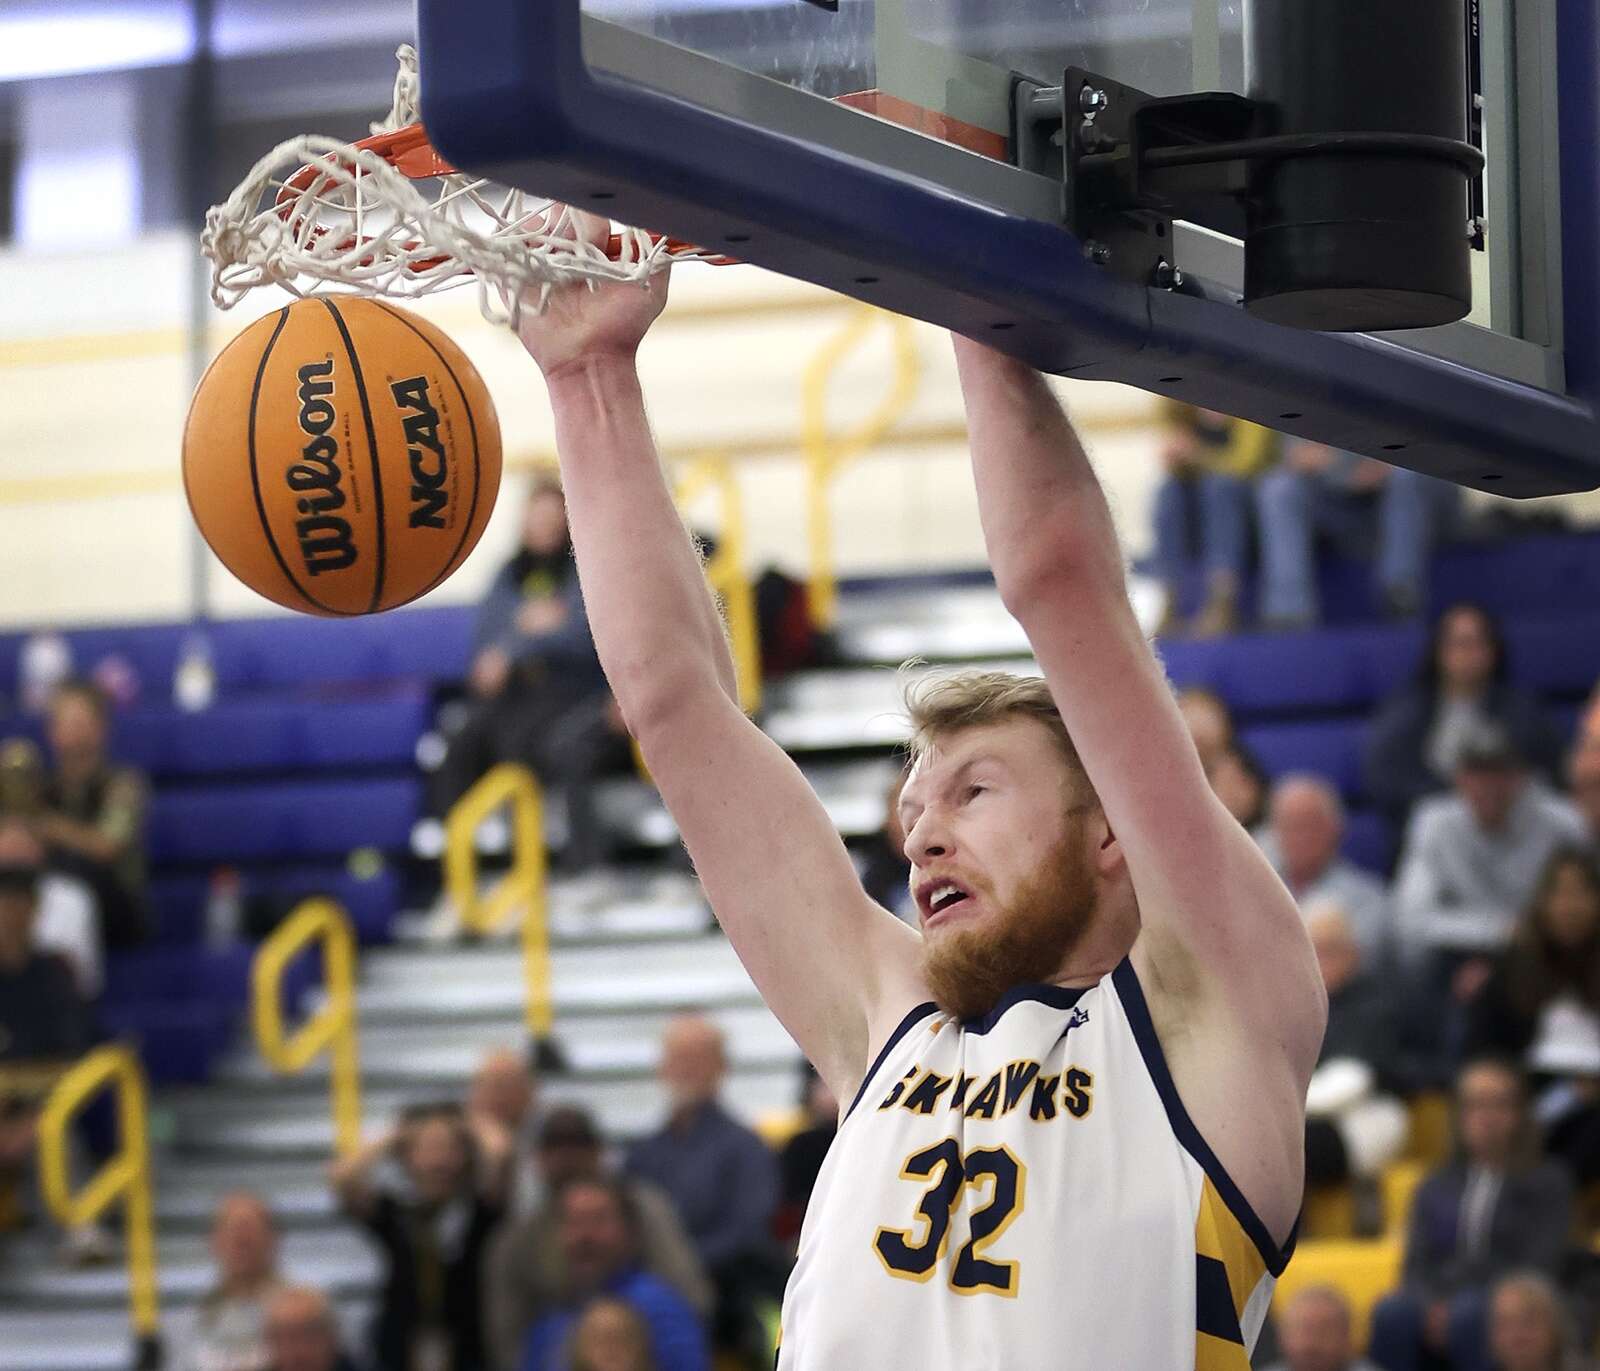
<point x="914" y="1255"/>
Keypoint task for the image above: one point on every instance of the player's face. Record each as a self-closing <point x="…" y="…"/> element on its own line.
<point x="1001" y="869"/>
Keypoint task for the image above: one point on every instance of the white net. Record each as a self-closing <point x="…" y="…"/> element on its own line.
<point x="318" y="214"/>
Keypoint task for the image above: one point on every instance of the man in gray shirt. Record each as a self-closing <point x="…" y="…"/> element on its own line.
<point x="1473" y="858"/>
<point x="1304" y="831"/>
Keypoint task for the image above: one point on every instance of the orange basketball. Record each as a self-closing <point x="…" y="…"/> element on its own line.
<point x="341" y="456"/>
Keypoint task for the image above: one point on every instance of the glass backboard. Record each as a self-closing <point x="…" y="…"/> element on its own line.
<point x="872" y="148"/>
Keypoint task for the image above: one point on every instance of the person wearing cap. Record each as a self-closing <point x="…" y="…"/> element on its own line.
<point x="42" y="1016"/>
<point x="1472" y="861"/>
<point x="44" y="1022"/>
<point x="68" y="919"/>
<point x="526" y="1272"/>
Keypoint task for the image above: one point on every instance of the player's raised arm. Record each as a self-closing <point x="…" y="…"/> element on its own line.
<point x="1214" y="916"/>
<point x="836" y="969"/>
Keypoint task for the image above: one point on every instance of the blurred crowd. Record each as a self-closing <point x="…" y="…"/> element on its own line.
<point x="517" y="1234"/>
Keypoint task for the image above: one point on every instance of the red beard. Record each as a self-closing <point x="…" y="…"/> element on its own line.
<point x="967" y="970"/>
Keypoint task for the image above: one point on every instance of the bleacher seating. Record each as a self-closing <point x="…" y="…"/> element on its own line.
<point x="307" y="755"/>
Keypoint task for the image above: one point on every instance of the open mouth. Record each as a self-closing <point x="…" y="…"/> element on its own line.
<point x="943" y="898"/>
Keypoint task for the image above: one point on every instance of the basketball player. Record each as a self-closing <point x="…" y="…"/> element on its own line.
<point x="1075" y="1136"/>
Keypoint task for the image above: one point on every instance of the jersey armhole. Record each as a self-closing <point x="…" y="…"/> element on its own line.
<point x="911" y="1020"/>
<point x="1131" y="995"/>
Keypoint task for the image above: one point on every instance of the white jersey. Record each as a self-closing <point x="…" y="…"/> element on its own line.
<point x="1026" y="1192"/>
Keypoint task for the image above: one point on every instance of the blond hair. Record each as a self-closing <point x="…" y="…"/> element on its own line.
<point x="940" y="703"/>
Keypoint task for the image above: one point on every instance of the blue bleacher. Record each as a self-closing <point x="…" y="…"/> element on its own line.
<point x="256" y="735"/>
<point x="288" y="820"/>
<point x="1330" y="748"/>
<point x="183" y="1006"/>
<point x="371" y="899"/>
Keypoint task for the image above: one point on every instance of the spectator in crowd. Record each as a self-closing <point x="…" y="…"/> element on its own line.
<point x="1462" y="688"/>
<point x="1303" y="840"/>
<point x="1472" y="861"/>
<point x="526" y="1274"/>
<point x="1368" y="510"/>
<point x="1314" y="1333"/>
<point x="302" y="1333"/>
<point x="1541" y="1005"/>
<point x="599" y="1238"/>
<point x="611" y="1336"/>
<point x="44" y="1023"/>
<point x="230" y="1329"/>
<point x="1494" y="1208"/>
<point x="1239" y="782"/>
<point x="1209" y="721"/>
<point x="505" y="1093"/>
<point x="433" y="1232"/>
<point x="537" y="692"/>
<point x="881" y="860"/>
<point x="1583" y="775"/>
<point x="720" y="1175"/>
<point x="1202" y="511"/>
<point x="93" y="817"/>
<point x="801" y="1160"/>
<point x="42" y="1015"/>
<point x="1354" y="1124"/>
<point x="67" y="921"/>
<point x="1529" y="1329"/>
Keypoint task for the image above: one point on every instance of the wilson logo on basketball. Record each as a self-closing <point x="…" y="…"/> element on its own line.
<point x="428" y="467"/>
<point x="326" y="542"/>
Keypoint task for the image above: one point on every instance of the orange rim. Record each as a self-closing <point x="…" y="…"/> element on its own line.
<point x="410" y="153"/>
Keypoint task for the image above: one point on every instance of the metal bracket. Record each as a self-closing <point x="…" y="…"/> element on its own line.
<point x="1130" y="163"/>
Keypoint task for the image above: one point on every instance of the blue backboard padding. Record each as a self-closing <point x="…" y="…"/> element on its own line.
<point x="506" y="93"/>
<point x="301" y="820"/>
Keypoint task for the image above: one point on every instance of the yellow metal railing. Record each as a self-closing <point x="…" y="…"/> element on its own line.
<point x="126" y="1177"/>
<point x="826" y="453"/>
<point x="524" y="886"/>
<point x="725" y="569"/>
<point x="332" y="1029"/>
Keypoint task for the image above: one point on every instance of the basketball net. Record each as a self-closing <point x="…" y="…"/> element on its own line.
<point x="388" y="216"/>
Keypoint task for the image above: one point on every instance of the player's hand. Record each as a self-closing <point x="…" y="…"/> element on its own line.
<point x="582" y="322"/>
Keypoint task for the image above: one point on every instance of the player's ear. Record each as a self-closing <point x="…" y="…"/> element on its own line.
<point x="1108" y="851"/>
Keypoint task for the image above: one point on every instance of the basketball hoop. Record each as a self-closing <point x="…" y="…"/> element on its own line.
<point x="388" y="216"/>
